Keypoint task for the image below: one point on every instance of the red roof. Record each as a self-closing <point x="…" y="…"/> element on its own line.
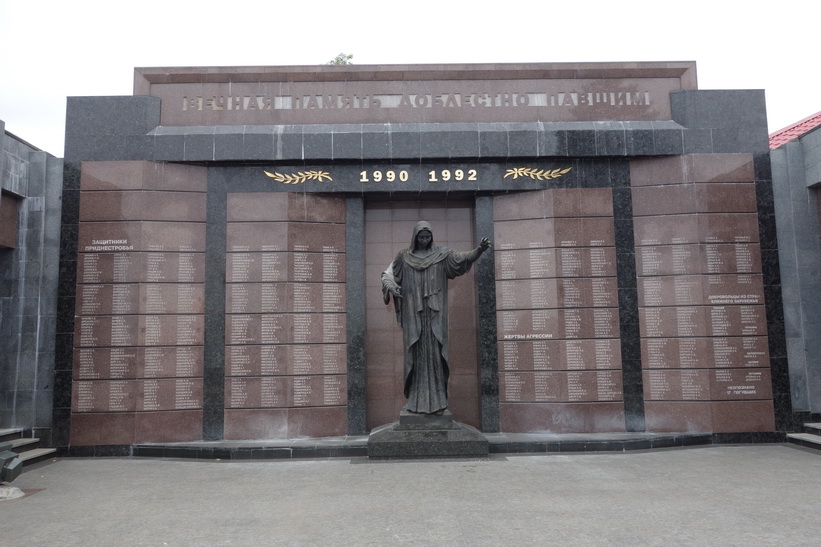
<point x="783" y="136"/>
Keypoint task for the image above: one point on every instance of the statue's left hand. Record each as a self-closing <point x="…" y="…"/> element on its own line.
<point x="484" y="244"/>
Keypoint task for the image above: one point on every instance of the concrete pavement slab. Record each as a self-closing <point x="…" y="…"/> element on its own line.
<point x="716" y="495"/>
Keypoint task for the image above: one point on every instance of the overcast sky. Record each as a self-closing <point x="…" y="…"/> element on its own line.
<point x="53" y="49"/>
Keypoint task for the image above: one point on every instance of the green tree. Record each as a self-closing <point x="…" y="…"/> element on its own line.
<point x="341" y="59"/>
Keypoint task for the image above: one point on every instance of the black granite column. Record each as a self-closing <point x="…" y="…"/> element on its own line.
<point x="633" y="384"/>
<point x="213" y="412"/>
<point x="355" y="289"/>
<point x="486" y="328"/>
<point x="774" y="304"/>
<point x="66" y="294"/>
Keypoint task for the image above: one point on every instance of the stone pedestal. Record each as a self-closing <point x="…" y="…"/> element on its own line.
<point x="427" y="436"/>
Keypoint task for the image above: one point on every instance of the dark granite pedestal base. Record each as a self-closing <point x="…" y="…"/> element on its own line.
<point x="427" y="436"/>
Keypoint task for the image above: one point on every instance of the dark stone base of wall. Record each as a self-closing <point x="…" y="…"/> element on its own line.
<point x="357" y="446"/>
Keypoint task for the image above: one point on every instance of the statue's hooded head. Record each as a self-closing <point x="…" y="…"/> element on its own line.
<point x="421" y="226"/>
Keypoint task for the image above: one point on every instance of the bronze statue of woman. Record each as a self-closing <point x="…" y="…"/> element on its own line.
<point x="418" y="280"/>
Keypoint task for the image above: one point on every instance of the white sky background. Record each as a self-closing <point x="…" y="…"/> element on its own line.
<point x="53" y="49"/>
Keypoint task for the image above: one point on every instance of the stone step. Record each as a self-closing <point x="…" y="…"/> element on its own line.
<point x="10" y="434"/>
<point x="815" y="428"/>
<point x="36" y="455"/>
<point x="807" y="440"/>
<point x="28" y="448"/>
<point x="22" y="444"/>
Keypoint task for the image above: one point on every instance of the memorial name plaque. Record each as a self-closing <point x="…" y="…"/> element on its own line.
<point x="140" y="303"/>
<point x="285" y="306"/>
<point x="701" y="298"/>
<point x="557" y="301"/>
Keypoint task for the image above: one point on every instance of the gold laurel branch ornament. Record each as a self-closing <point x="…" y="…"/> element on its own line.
<point x="299" y="178"/>
<point x="536" y="174"/>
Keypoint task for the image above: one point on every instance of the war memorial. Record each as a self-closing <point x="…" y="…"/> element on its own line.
<point x="225" y="232"/>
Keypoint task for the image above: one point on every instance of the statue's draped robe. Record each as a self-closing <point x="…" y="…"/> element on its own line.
<point x="423" y="313"/>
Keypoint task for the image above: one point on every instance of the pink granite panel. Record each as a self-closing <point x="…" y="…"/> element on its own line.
<point x="677" y="353"/>
<point x="532" y="263"/>
<point x="141" y="205"/>
<point x="562" y="417"/>
<point x="728" y="228"/>
<point x="172" y="330"/>
<point x="169" y="361"/>
<point x="317" y="422"/>
<point x="175" y="176"/>
<point x="736" y="321"/>
<point x="101" y="363"/>
<point x="527" y="294"/>
<point x="736" y="352"/>
<point x="740" y="384"/>
<point x="95" y="331"/>
<point x="725" y="197"/>
<point x="668" y="259"/>
<point x="102" y="429"/>
<point x="250" y="392"/>
<point x="666" y="230"/>
<point x="315" y="208"/>
<point x="109" y="236"/>
<point x="112" y="175"/>
<point x="720" y="168"/>
<point x="658" y="171"/>
<point x="582" y="202"/>
<point x="257" y="207"/>
<point x="169" y="394"/>
<point x="670" y="291"/>
<point x="537" y="205"/>
<point x="743" y="416"/>
<point x="677" y="385"/>
<point x="109" y="267"/>
<point x="285" y="328"/>
<point x="523" y="234"/>
<point x="257" y="297"/>
<point x="107" y="299"/>
<point x="256" y="267"/>
<point x="173" y="236"/>
<point x="310" y="237"/>
<point x="678" y="417"/>
<point x="252" y="424"/>
<point x="171" y="298"/>
<point x="731" y="258"/>
<point x="733" y="289"/>
<point x="256" y="360"/>
<point x="323" y="390"/>
<point x="168" y="427"/>
<point x="118" y="205"/>
<point x="664" y="200"/>
<point x="174" y="206"/>
<point x="675" y="321"/>
<point x="242" y="237"/>
<point x="104" y="396"/>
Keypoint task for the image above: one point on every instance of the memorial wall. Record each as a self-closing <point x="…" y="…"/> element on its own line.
<point x="225" y="230"/>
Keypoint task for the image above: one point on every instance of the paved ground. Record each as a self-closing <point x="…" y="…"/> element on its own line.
<point x="717" y="495"/>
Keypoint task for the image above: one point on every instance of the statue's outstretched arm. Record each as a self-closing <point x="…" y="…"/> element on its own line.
<point x="474" y="255"/>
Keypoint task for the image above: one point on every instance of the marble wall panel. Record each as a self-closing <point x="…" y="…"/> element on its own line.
<point x="137" y="362"/>
<point x="293" y="359"/>
<point x="284" y="297"/>
<point x="560" y="354"/>
<point x="562" y="417"/>
<point x="256" y="207"/>
<point x="136" y="175"/>
<point x="168" y="427"/>
<point x="140" y="205"/>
